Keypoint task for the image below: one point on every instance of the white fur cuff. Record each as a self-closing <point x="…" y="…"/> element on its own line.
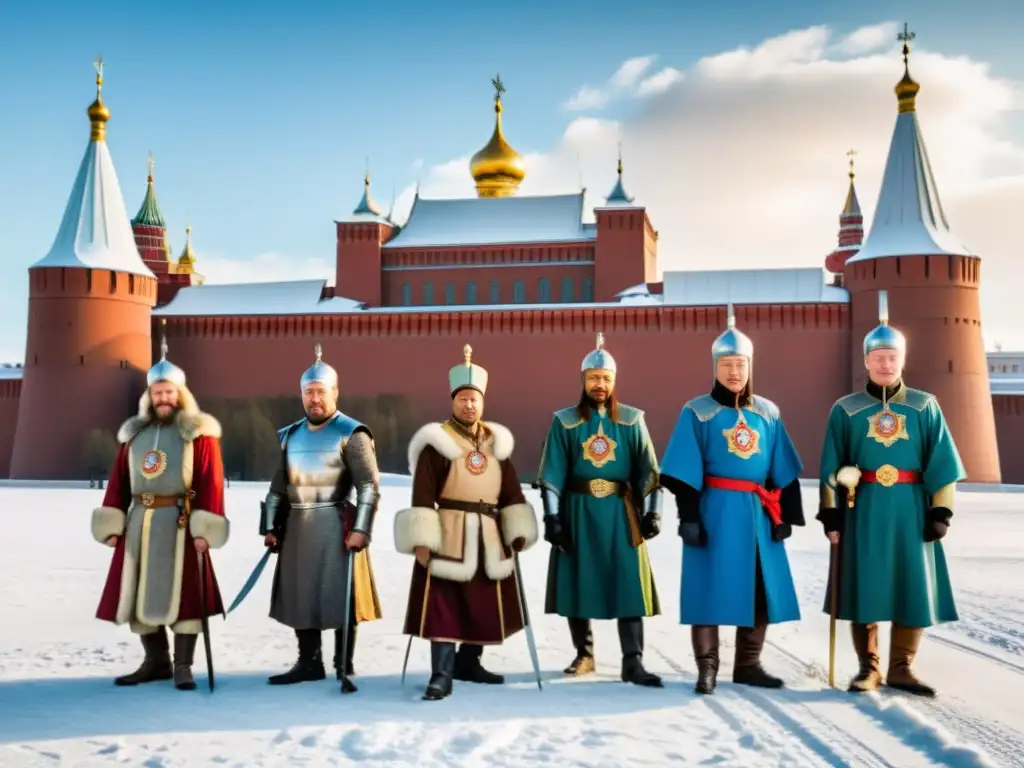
<point x="519" y="521"/>
<point x="417" y="527"/>
<point x="206" y="525"/>
<point x="107" y="522"/>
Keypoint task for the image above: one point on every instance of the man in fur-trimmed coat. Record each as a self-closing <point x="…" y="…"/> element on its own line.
<point x="162" y="511"/>
<point x="468" y="514"/>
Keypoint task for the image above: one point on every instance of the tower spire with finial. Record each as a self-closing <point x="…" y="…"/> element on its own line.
<point x="98" y="112"/>
<point x="149" y="214"/>
<point x="618" y="196"/>
<point x="906" y="89"/>
<point x="851" y="229"/>
<point x="497" y="169"/>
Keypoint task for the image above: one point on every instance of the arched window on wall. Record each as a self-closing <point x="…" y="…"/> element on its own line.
<point x="406" y="294"/>
<point x="471" y="292"/>
<point x="428" y="293"/>
<point x="544" y="290"/>
<point x="449" y="292"/>
<point x="568" y="290"/>
<point x="495" y="292"/>
<point x="518" y="292"/>
<point x="588" y="289"/>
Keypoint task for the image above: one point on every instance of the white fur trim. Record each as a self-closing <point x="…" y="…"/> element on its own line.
<point x="496" y="565"/>
<point x="503" y="441"/>
<point x="107" y="522"/>
<point x="438" y="438"/>
<point x="417" y="527"/>
<point x="192" y="422"/>
<point x="215" y="529"/>
<point x="126" y="596"/>
<point x="519" y="521"/>
<point x="187" y="627"/>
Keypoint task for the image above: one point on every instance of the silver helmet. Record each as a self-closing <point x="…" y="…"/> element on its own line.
<point x="884" y="336"/>
<point x="319" y="372"/>
<point x="165" y="370"/>
<point x="599" y="358"/>
<point x="732" y="341"/>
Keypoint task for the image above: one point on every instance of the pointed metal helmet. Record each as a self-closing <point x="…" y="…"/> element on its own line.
<point x="599" y="358"/>
<point x="165" y="370"/>
<point x="467" y="375"/>
<point x="884" y="336"/>
<point x="732" y="341"/>
<point x="319" y="372"/>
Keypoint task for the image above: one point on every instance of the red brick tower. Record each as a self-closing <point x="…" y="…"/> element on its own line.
<point x="851" y="232"/>
<point x="90" y="300"/>
<point x="359" y="261"/>
<point x="933" y="281"/>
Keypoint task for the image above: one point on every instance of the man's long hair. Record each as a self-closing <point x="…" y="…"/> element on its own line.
<point x="586" y="406"/>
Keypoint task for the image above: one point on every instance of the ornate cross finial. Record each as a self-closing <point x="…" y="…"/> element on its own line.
<point x="150" y="164"/>
<point x="730" y="316"/>
<point x="850" y="154"/>
<point x="318" y="351"/>
<point x="499" y="87"/>
<point x="600" y="341"/>
<point x="163" y="338"/>
<point x="467" y="354"/>
<point x="905" y="37"/>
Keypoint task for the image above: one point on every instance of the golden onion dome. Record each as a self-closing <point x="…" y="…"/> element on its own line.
<point x="98" y="112"/>
<point x="906" y="89"/>
<point x="188" y="256"/>
<point x="497" y="169"/>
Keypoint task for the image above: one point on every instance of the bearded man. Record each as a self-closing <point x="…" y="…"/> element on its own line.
<point x="468" y="515"/>
<point x="162" y="511"/>
<point x="598" y="465"/>
<point x="309" y="520"/>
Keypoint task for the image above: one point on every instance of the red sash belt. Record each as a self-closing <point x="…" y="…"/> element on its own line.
<point x="770" y="500"/>
<point x="885" y="476"/>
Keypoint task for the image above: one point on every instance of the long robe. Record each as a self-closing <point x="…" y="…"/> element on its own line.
<point x="468" y="591"/>
<point x="606" y="574"/>
<point x="887" y="571"/>
<point x="718" y="584"/>
<point x="154" y="575"/>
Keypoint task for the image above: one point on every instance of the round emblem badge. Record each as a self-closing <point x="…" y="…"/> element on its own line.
<point x="742" y="438"/>
<point x="886" y="424"/>
<point x="598" y="447"/>
<point x="153" y="463"/>
<point x="476" y="463"/>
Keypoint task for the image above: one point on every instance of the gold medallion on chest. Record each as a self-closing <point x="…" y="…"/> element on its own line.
<point x="742" y="439"/>
<point x="886" y="427"/>
<point x="476" y="463"/>
<point x="153" y="464"/>
<point x="599" y="449"/>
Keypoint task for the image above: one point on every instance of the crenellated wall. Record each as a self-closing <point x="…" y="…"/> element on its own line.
<point x="1009" y="415"/>
<point x="10" y="391"/>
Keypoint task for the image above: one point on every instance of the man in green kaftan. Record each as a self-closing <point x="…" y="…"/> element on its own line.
<point x="598" y="469"/>
<point x="889" y="468"/>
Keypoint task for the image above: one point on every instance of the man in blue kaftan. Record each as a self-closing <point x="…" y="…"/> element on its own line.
<point x="890" y="457"/>
<point x="735" y="475"/>
<point x="598" y="469"/>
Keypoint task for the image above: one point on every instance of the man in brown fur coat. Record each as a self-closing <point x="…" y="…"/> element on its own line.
<point x="468" y="513"/>
<point x="162" y="511"/>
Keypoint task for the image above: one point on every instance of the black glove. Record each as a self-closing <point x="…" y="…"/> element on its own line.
<point x="650" y="523"/>
<point x="936" y="523"/>
<point x="693" y="533"/>
<point x="781" y="532"/>
<point x="554" y="533"/>
<point x="829" y="519"/>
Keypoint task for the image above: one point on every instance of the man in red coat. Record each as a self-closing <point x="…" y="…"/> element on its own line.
<point x="162" y="512"/>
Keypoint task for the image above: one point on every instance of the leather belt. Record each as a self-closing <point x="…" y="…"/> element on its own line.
<point x="597" y="487"/>
<point x="155" y="502"/>
<point x="480" y="507"/>
<point x="887" y="475"/>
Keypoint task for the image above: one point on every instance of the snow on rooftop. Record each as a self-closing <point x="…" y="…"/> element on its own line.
<point x="298" y="297"/>
<point x="804" y="285"/>
<point x="909" y="219"/>
<point x="494" y="221"/>
<point x="96" y="231"/>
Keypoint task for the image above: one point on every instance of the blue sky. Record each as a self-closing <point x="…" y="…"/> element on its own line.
<point x="261" y="120"/>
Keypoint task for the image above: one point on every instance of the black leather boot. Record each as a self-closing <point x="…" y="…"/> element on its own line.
<point x="631" y="638"/>
<point x="343" y="672"/>
<point x="442" y="664"/>
<point x="747" y="669"/>
<point x="184" y="654"/>
<point x="157" y="663"/>
<point x="310" y="664"/>
<point x="583" y="641"/>
<point x="468" y="668"/>
<point x="705" y="653"/>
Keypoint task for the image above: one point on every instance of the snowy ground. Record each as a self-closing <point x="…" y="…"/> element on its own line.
<point x="58" y="705"/>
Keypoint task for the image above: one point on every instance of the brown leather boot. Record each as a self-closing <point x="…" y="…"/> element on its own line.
<point x="903" y="646"/>
<point x="865" y="642"/>
<point x="705" y="652"/>
<point x="747" y="669"/>
<point x="184" y="652"/>
<point x="157" y="663"/>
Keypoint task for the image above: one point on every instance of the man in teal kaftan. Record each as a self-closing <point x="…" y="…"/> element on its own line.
<point x="889" y="469"/>
<point x="598" y="467"/>
<point x="736" y="477"/>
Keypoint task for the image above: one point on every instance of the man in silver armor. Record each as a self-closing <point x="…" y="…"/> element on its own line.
<point x="318" y="534"/>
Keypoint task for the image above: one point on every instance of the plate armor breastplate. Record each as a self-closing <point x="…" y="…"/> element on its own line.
<point x="316" y="473"/>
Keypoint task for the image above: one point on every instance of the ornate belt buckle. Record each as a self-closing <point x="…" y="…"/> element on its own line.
<point x="599" y="488"/>
<point x="147" y="499"/>
<point x="887" y="475"/>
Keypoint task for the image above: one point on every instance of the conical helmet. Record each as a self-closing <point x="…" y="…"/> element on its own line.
<point x="319" y="372"/>
<point x="883" y="335"/>
<point x="599" y="358"/>
<point x="164" y="369"/>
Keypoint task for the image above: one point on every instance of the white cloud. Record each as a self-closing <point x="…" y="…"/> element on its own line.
<point x="869" y="39"/>
<point x="268" y="267"/>
<point x="659" y="82"/>
<point x="628" y="79"/>
<point x="587" y="98"/>
<point x="742" y="162"/>
<point x="629" y="74"/>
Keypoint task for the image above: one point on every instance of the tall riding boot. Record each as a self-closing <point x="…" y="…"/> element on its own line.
<point x="865" y="642"/>
<point x="631" y="638"/>
<point x="184" y="654"/>
<point x="468" y="668"/>
<point x="582" y="635"/>
<point x="157" y="663"/>
<point x="442" y="666"/>
<point x="310" y="664"/>
<point x="747" y="669"/>
<point x="705" y="652"/>
<point x="344" y="671"/>
<point x="903" y="645"/>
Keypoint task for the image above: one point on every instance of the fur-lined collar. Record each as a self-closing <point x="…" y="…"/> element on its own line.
<point x="438" y="438"/>
<point x="191" y="422"/>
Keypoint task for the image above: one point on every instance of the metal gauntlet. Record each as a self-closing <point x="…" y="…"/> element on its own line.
<point x="653" y="504"/>
<point x="367" y="498"/>
<point x="550" y="501"/>
<point x="269" y="509"/>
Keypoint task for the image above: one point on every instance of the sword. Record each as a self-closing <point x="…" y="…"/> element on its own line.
<point x="346" y="619"/>
<point x="405" y="663"/>
<point x="833" y="600"/>
<point x="205" y="619"/>
<point x="250" y="582"/>
<point x="530" y="642"/>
